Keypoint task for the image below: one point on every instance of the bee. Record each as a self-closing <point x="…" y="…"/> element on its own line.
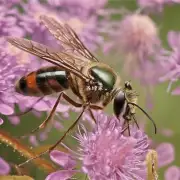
<point x="96" y="84"/>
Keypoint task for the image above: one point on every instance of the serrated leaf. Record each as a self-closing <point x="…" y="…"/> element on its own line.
<point x="15" y="178"/>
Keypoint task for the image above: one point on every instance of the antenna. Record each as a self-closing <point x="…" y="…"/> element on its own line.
<point x="155" y="128"/>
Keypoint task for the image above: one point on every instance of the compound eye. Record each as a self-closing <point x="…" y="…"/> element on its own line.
<point x="119" y="104"/>
<point x="128" y="85"/>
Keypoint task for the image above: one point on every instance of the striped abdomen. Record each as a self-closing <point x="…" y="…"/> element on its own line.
<point x="44" y="81"/>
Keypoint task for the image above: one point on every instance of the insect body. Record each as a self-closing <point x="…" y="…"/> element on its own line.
<point x="54" y="79"/>
<point x="96" y="84"/>
<point x="44" y="81"/>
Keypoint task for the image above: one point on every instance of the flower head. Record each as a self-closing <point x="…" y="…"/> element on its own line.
<point x="155" y="5"/>
<point x="9" y="3"/>
<point x="86" y="27"/>
<point x="78" y="7"/>
<point x="64" y="160"/>
<point x="13" y="23"/>
<point x="1" y="121"/>
<point x="10" y="70"/>
<point x="107" y="154"/>
<point x="138" y="35"/>
<point x="171" y="61"/>
<point x="165" y="153"/>
<point x="173" y="172"/>
<point x="4" y="167"/>
<point x="138" y="42"/>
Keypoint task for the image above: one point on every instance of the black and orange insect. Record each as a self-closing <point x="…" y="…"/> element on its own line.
<point x="96" y="84"/>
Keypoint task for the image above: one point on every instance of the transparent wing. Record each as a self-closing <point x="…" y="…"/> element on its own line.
<point x="68" y="38"/>
<point x="64" y="60"/>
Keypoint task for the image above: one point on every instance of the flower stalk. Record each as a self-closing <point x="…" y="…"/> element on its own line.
<point x="26" y="152"/>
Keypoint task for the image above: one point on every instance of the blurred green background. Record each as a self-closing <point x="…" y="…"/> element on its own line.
<point x="165" y="109"/>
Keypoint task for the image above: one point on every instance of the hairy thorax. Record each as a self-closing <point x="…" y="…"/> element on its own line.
<point x="95" y="93"/>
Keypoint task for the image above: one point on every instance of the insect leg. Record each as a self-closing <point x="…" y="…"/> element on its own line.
<point x="91" y="106"/>
<point x="128" y="122"/>
<point x="48" y="119"/>
<point x="58" y="142"/>
<point x="67" y="98"/>
<point x="134" y="118"/>
<point x="92" y="115"/>
<point x="96" y="107"/>
<point x="124" y="127"/>
<point x="28" y="110"/>
<point x="128" y="128"/>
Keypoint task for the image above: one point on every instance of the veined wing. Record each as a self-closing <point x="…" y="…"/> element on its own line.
<point x="62" y="59"/>
<point x="68" y="38"/>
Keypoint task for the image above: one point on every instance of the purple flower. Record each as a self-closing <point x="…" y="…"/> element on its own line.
<point x="4" y="167"/>
<point x="9" y="23"/>
<point x="78" y="7"/>
<point x="12" y="23"/>
<point x="136" y="38"/>
<point x="171" y="61"/>
<point x="166" y="132"/>
<point x="148" y="73"/>
<point x="64" y="160"/>
<point x="87" y="4"/>
<point x="172" y="172"/>
<point x="10" y="70"/>
<point x="87" y="28"/>
<point x="1" y="121"/>
<point x="166" y="154"/>
<point x="105" y="153"/>
<point x="155" y="5"/>
<point x="138" y="35"/>
<point x="10" y="2"/>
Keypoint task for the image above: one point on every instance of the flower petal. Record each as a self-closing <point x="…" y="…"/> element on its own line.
<point x="33" y="140"/>
<point x="176" y="91"/>
<point x="1" y="121"/>
<point x="14" y="120"/>
<point x="5" y="109"/>
<point x="173" y="39"/>
<point x="42" y="106"/>
<point x="172" y="172"/>
<point x="63" y="159"/>
<point x="61" y="175"/>
<point x="165" y="154"/>
<point x="167" y="132"/>
<point x="4" y="167"/>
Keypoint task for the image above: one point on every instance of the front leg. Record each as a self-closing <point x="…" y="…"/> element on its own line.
<point x="90" y="106"/>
